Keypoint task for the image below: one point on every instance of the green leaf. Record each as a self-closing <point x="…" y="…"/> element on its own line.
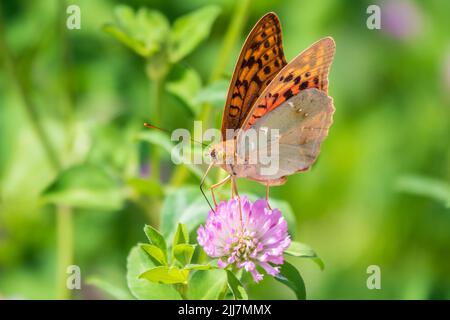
<point x="181" y="235"/>
<point x="189" y="30"/>
<point x="290" y="276"/>
<point x="214" y="93"/>
<point x="166" y="275"/>
<point x="298" y="249"/>
<point x="85" y="186"/>
<point x="186" y="88"/>
<point x="183" y="253"/>
<point x="163" y="140"/>
<point x="236" y="287"/>
<point x="185" y="205"/>
<point x="137" y="263"/>
<point x="155" y="238"/>
<point x="207" y="285"/>
<point x="144" y="31"/>
<point x="155" y="252"/>
<point x="435" y="189"/>
<point x="110" y="289"/>
<point x="145" y="187"/>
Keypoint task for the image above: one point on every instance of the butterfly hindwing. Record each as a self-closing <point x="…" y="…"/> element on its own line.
<point x="308" y="70"/>
<point x="302" y="123"/>
<point x="261" y="58"/>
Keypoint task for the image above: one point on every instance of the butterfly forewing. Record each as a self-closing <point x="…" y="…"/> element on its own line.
<point x="308" y="70"/>
<point x="261" y="58"/>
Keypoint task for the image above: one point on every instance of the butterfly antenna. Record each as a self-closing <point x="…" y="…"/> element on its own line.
<point x="150" y="126"/>
<point x="202" y="181"/>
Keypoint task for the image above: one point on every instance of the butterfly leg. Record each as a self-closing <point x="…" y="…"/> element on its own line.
<point x="267" y="195"/>
<point x="235" y="191"/>
<point x="214" y="186"/>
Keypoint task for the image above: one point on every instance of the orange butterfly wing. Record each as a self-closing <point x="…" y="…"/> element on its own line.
<point x="261" y="58"/>
<point x="308" y="70"/>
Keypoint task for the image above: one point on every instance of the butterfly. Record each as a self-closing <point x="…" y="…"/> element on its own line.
<point x="268" y="93"/>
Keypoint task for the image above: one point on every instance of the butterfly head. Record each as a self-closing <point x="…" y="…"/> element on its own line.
<point x="216" y="153"/>
<point x="222" y="153"/>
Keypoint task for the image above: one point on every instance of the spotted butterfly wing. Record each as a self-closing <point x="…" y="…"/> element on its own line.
<point x="261" y="58"/>
<point x="308" y="70"/>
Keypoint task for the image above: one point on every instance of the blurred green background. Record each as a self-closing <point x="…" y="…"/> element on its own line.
<point x="378" y="195"/>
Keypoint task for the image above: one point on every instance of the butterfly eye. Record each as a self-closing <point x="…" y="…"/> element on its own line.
<point x="213" y="153"/>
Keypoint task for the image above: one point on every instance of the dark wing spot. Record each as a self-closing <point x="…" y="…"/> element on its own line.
<point x="289" y="78"/>
<point x="316" y="81"/>
<point x="257" y="80"/>
<point x="277" y="63"/>
<point x="275" y="97"/>
<point x="266" y="44"/>
<point x="281" y="78"/>
<point x="297" y="80"/>
<point x="236" y="94"/>
<point x="304" y="85"/>
<point x="255" y="46"/>
<point x="262" y="106"/>
<point x="260" y="64"/>
<point x="245" y="84"/>
<point x="266" y="69"/>
<point x="274" y="50"/>
<point x="288" y="94"/>
<point x="266" y="56"/>
<point x="251" y="61"/>
<point x="307" y="74"/>
<point x="263" y="34"/>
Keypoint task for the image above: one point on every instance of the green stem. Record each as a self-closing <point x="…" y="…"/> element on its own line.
<point x="30" y="108"/>
<point x="232" y="34"/>
<point x="64" y="214"/>
<point x="156" y="118"/>
<point x="224" y="291"/>
<point x="182" y="290"/>
<point x="65" y="249"/>
<point x="65" y="74"/>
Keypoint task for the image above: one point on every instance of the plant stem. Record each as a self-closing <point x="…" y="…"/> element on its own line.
<point x="156" y="118"/>
<point x="64" y="214"/>
<point x="223" y="292"/>
<point x="232" y="34"/>
<point x="65" y="251"/>
<point x="182" y="290"/>
<point x="30" y="108"/>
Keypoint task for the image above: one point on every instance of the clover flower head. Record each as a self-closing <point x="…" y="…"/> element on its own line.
<point x="258" y="239"/>
<point x="401" y="19"/>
